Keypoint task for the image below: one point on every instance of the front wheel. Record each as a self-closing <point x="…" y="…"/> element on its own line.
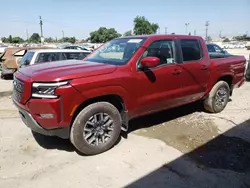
<point x="96" y="128"/>
<point x="218" y="97"/>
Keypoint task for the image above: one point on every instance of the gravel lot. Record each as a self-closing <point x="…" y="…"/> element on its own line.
<point x="182" y="147"/>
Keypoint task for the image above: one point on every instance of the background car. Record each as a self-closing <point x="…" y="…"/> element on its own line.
<point x="50" y="55"/>
<point x="79" y="48"/>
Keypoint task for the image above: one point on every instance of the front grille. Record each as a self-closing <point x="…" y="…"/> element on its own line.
<point x="18" y="89"/>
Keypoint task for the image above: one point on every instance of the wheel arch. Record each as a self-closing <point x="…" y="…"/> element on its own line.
<point x="114" y="99"/>
<point x="229" y="79"/>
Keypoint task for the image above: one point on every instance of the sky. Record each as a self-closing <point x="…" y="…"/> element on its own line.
<point x="79" y="17"/>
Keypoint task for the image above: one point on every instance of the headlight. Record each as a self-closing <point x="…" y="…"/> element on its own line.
<point x="46" y="90"/>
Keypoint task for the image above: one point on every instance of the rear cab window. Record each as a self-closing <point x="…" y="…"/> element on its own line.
<point x="191" y="50"/>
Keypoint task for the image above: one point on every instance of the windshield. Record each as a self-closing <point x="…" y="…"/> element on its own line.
<point x="26" y="59"/>
<point x="117" y="51"/>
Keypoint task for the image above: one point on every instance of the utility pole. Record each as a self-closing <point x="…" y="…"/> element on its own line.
<point x="166" y="30"/>
<point x="41" y="27"/>
<point x="62" y="33"/>
<point x="246" y="33"/>
<point x="207" y="24"/>
<point x="220" y="34"/>
<point x="27" y="35"/>
<point x="195" y="32"/>
<point x="187" y="24"/>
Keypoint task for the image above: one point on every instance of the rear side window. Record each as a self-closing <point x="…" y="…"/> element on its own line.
<point x="74" y="55"/>
<point x="191" y="50"/>
<point x="47" y="57"/>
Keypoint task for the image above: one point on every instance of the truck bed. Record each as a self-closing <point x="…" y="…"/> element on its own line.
<point x="230" y="65"/>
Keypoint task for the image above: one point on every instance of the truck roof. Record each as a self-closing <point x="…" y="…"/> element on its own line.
<point x="164" y="35"/>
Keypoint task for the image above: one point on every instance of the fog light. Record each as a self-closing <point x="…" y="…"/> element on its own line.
<point x="47" y="116"/>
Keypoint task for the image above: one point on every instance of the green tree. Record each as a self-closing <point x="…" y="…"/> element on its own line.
<point x="49" y="40"/>
<point x="17" y="40"/>
<point x="242" y="38"/>
<point x="10" y="39"/>
<point x="226" y="40"/>
<point x="128" y="33"/>
<point x="103" y="35"/>
<point x="209" y="39"/>
<point x="5" y="40"/>
<point x="35" y="37"/>
<point x="68" y="39"/>
<point x="142" y="26"/>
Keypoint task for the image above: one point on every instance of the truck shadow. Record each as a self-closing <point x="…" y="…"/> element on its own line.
<point x="222" y="162"/>
<point x="164" y="116"/>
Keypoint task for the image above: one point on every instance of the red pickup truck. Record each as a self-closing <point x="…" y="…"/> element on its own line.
<point x="91" y="101"/>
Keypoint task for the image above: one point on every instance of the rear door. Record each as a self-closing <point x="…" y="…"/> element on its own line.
<point x="196" y="69"/>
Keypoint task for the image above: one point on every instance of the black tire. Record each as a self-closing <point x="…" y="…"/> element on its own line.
<point x="77" y="131"/>
<point x="210" y="102"/>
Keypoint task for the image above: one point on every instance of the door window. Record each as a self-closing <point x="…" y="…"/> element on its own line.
<point x="74" y="55"/>
<point x="163" y="49"/>
<point x="47" y="57"/>
<point x="191" y="50"/>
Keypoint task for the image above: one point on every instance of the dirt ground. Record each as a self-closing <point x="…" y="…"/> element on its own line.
<point x="182" y="147"/>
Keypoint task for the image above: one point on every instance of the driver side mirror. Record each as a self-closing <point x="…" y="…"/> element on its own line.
<point x="148" y="62"/>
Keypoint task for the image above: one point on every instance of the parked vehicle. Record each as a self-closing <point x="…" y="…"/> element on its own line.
<point x="248" y="45"/>
<point x="2" y="48"/>
<point x="50" y="55"/>
<point x="91" y="101"/>
<point x="215" y="51"/>
<point x="247" y="72"/>
<point x="10" y="58"/>
<point x="79" y="48"/>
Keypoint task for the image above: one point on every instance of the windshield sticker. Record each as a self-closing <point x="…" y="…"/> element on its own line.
<point x="134" y="40"/>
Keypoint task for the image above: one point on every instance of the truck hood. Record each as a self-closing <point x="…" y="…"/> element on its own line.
<point x="65" y="70"/>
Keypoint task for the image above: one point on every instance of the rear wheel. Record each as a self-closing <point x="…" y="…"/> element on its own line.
<point x="96" y="128"/>
<point x="218" y="97"/>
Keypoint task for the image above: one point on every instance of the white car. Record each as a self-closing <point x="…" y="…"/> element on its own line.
<point x="50" y="55"/>
<point x="2" y="48"/>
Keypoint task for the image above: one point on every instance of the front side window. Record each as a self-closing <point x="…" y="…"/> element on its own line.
<point x="191" y="50"/>
<point x="26" y="59"/>
<point x="117" y="51"/>
<point x="210" y="48"/>
<point x="163" y="49"/>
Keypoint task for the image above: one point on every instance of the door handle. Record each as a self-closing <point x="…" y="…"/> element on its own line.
<point x="177" y="72"/>
<point x="204" y="67"/>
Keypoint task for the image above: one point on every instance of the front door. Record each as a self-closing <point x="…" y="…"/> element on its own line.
<point x="159" y="87"/>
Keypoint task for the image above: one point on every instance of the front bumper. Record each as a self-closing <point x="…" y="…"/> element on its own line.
<point x="30" y="122"/>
